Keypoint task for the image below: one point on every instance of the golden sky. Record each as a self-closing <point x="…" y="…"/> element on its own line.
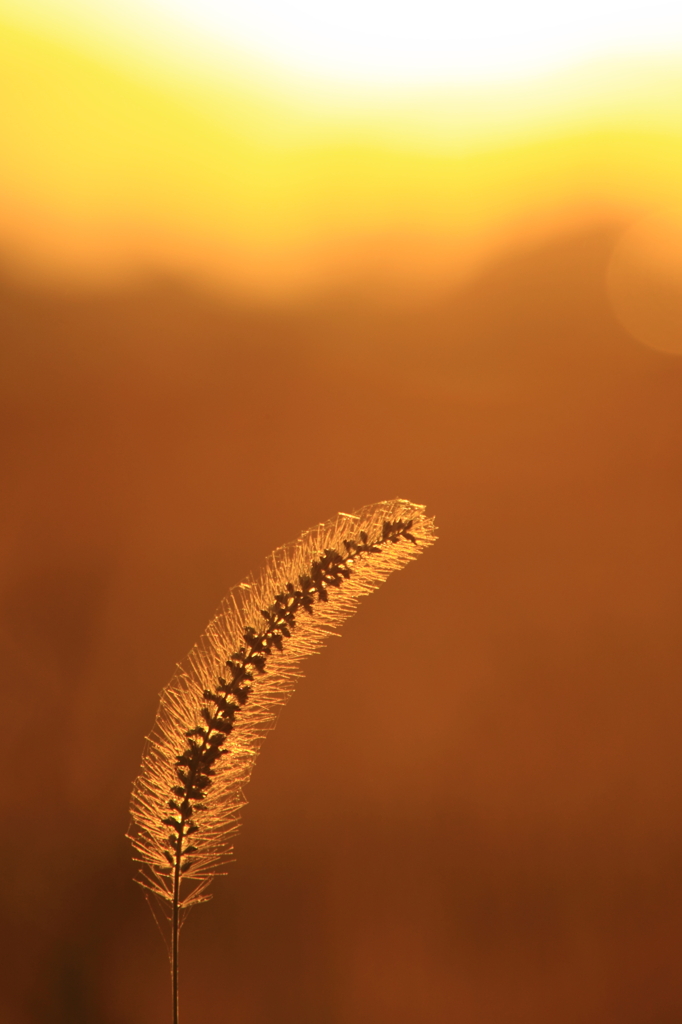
<point x="125" y="152"/>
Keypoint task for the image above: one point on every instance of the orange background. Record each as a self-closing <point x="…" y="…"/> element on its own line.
<point x="470" y="811"/>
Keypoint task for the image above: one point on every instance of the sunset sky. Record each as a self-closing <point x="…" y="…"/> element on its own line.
<point x="280" y="147"/>
<point x="262" y="262"/>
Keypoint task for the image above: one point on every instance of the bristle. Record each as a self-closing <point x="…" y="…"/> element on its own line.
<point x="226" y="696"/>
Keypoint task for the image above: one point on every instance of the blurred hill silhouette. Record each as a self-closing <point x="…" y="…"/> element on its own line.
<point x="481" y="825"/>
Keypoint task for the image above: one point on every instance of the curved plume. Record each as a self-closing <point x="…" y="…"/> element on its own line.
<point x="223" y="699"/>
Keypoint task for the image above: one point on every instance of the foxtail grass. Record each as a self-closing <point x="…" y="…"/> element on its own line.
<point x="216" y="710"/>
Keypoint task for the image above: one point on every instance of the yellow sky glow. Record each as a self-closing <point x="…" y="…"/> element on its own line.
<point x="113" y="165"/>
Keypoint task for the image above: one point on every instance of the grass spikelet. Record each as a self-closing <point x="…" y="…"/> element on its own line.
<point x="225" y="697"/>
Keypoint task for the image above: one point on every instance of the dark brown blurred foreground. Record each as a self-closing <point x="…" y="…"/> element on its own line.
<point x="472" y="809"/>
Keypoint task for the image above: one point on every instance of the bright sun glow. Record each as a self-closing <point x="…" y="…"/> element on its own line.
<point x="389" y="42"/>
<point x="281" y="145"/>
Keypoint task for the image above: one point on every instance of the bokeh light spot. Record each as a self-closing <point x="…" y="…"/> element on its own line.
<point x="644" y="281"/>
